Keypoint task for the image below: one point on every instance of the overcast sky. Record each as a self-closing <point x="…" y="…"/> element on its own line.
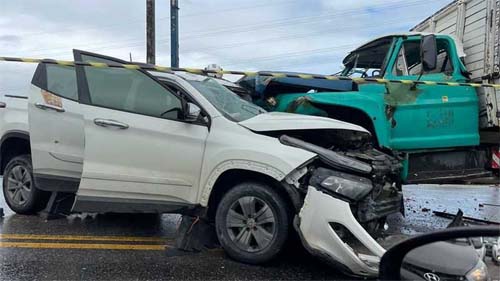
<point x="295" y="35"/>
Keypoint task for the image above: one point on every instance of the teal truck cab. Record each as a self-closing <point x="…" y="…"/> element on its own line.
<point x="436" y="127"/>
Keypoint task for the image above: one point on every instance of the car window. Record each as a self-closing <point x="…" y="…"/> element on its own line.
<point x="408" y="61"/>
<point x="57" y="79"/>
<point x="130" y="90"/>
<point x="61" y="80"/>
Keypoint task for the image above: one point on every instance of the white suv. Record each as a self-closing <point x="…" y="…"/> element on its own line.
<point x="124" y="140"/>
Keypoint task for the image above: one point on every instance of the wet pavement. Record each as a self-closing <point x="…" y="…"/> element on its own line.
<point x="140" y="247"/>
<point x="127" y="247"/>
<point x="480" y="202"/>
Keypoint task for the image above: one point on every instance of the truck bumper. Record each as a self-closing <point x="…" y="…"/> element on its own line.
<point x="316" y="224"/>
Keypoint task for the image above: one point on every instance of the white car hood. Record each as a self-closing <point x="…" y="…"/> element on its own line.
<point x="278" y="121"/>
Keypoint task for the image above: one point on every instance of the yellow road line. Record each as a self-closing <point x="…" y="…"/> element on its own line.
<point x="79" y="246"/>
<point x="82" y="238"/>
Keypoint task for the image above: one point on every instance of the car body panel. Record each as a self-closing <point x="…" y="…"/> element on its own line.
<point x="315" y="217"/>
<point x="56" y="135"/>
<point x="154" y="158"/>
<point x="14" y="116"/>
<point x="275" y="121"/>
<point x="231" y="146"/>
<point x="138" y="158"/>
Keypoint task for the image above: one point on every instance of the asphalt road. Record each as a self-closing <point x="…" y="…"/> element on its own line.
<point x="140" y="247"/>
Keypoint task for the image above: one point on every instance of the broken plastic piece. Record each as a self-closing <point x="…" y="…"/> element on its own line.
<point x="470" y="219"/>
<point x="195" y="234"/>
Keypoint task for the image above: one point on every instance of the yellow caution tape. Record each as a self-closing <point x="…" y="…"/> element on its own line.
<point x="158" y="68"/>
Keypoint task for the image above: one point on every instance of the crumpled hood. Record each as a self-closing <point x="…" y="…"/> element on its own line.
<point x="280" y="121"/>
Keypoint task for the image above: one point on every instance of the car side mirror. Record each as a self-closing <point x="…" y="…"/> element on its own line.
<point x="192" y="112"/>
<point x="428" y="52"/>
<point x="440" y="255"/>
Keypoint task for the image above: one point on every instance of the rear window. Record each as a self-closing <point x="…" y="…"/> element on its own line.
<point x="58" y="79"/>
<point x="61" y="80"/>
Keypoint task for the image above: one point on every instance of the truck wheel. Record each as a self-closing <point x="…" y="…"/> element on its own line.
<point x="19" y="189"/>
<point x="252" y="223"/>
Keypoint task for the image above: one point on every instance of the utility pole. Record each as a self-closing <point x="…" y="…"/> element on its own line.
<point x="174" y="33"/>
<point x="150" y="32"/>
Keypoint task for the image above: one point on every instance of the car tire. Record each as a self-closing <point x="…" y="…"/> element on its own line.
<point x="19" y="188"/>
<point x="255" y="234"/>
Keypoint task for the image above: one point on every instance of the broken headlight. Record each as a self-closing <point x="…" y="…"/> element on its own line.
<point x="347" y="186"/>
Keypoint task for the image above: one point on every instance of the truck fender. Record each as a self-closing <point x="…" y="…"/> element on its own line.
<point x="367" y="115"/>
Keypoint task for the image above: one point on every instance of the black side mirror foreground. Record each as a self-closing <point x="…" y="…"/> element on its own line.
<point x="428" y="52"/>
<point x="447" y="254"/>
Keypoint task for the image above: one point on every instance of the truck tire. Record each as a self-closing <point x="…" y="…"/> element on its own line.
<point x="252" y="223"/>
<point x="19" y="188"/>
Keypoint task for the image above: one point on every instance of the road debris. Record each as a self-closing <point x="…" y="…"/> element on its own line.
<point x="487" y="204"/>
<point x="465" y="218"/>
<point x="195" y="234"/>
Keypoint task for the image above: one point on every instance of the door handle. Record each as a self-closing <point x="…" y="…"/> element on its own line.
<point x="49" y="107"/>
<point x="110" y="123"/>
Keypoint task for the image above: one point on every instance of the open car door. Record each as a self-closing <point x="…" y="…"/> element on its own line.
<point x="140" y="155"/>
<point x="56" y="128"/>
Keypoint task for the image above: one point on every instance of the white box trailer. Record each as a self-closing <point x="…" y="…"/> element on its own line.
<point x="475" y="23"/>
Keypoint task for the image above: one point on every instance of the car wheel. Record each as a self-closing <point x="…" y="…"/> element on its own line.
<point x="252" y="223"/>
<point x="19" y="188"/>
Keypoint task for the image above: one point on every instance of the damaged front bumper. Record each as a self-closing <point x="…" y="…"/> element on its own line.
<point x="323" y="223"/>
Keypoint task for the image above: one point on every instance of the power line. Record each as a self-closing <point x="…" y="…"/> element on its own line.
<point x="247" y="28"/>
<point x="131" y="21"/>
<point x="287" y="2"/>
<point x="289" y="55"/>
<point x="273" y="39"/>
<point x="118" y="46"/>
<point x="297" y="20"/>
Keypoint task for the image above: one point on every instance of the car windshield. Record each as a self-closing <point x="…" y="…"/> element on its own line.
<point x="228" y="103"/>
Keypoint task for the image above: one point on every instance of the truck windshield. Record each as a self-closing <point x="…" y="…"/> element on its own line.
<point x="368" y="60"/>
<point x="228" y="103"/>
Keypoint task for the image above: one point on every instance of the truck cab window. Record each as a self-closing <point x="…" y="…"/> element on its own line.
<point x="408" y="62"/>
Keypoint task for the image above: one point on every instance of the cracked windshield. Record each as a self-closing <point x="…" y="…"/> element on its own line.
<point x="228" y="103"/>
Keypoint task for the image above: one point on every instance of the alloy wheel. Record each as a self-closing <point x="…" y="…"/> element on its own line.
<point x="19" y="185"/>
<point x="251" y="224"/>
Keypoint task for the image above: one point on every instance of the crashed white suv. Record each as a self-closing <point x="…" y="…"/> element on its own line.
<point x="122" y="140"/>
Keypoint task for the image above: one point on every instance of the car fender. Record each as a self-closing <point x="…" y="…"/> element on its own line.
<point x="238" y="165"/>
<point x="239" y="148"/>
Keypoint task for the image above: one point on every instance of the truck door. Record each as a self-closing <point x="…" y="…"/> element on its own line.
<point x="426" y="116"/>
<point x="56" y="128"/>
<point x="140" y="156"/>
